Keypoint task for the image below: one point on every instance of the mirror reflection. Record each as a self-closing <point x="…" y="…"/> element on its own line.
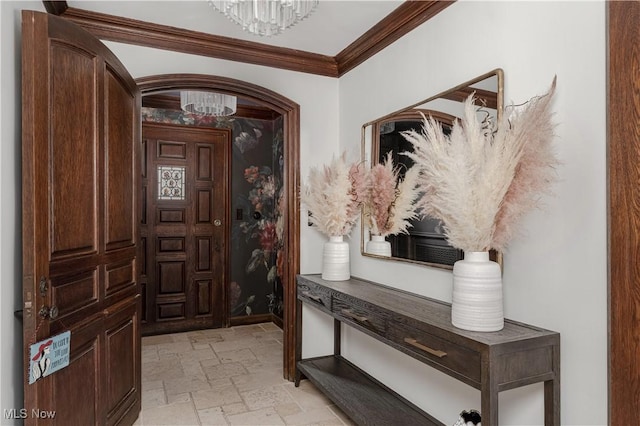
<point x="425" y="242"/>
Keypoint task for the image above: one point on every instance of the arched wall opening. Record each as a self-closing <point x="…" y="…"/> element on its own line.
<point x="290" y="112"/>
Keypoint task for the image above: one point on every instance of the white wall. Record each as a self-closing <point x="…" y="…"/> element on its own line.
<point x="555" y="276"/>
<point x="10" y="214"/>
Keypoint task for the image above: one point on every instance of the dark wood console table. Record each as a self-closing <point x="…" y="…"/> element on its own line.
<point x="516" y="356"/>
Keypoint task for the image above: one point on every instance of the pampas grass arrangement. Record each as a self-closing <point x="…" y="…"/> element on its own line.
<point x="334" y="195"/>
<point x="389" y="205"/>
<point x="485" y="176"/>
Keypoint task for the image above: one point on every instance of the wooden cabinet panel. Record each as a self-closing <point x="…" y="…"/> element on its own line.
<point x="73" y="152"/>
<point x="73" y="292"/>
<point x="120" y="223"/>
<point x="171" y="277"/>
<point x="122" y="361"/>
<point x="203" y="208"/>
<point x="68" y="390"/>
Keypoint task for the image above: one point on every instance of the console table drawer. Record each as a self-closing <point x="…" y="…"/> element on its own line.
<point x="438" y="352"/>
<point x="315" y="295"/>
<point x="360" y="314"/>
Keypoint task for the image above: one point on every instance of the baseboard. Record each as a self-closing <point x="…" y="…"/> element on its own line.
<point x="255" y="319"/>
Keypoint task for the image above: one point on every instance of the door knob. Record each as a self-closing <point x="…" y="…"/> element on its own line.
<point x="51" y="313"/>
<point x="217" y="222"/>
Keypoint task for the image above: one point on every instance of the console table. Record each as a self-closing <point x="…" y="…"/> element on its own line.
<point x="516" y="356"/>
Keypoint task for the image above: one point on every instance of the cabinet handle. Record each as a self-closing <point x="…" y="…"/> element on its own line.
<point x="415" y="343"/>
<point x="313" y="297"/>
<point x="356" y="317"/>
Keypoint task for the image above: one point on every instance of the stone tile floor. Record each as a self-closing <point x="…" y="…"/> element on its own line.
<point x="229" y="376"/>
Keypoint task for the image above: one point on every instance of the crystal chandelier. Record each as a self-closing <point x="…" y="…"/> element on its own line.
<point x="208" y="103"/>
<point x="265" y="17"/>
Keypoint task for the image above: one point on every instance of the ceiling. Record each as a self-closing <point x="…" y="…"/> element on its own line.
<point x="332" y="26"/>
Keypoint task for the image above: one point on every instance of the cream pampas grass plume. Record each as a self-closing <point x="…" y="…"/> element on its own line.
<point x="389" y="206"/>
<point x="483" y="177"/>
<point x="334" y="195"/>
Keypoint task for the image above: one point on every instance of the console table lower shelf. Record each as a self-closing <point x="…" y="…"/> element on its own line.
<point x="359" y="395"/>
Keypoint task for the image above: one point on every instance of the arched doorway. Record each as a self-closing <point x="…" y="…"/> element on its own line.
<point x="290" y="112"/>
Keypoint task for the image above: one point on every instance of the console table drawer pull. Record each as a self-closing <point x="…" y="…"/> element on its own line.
<point x="356" y="317"/>
<point x="415" y="343"/>
<point x="313" y="297"/>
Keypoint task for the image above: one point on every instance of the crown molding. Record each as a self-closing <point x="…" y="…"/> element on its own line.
<point x="402" y="20"/>
<point x="141" y="33"/>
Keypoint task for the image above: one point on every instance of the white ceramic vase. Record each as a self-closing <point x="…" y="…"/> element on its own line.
<point x="335" y="259"/>
<point x="477" y="293"/>
<point x="378" y="246"/>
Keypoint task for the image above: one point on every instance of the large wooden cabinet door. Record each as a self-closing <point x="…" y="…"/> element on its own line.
<point x="184" y="227"/>
<point x="80" y="173"/>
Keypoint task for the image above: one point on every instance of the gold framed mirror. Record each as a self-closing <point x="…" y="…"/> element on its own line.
<point x="425" y="243"/>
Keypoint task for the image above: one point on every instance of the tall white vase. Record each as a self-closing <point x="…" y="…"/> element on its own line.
<point x="378" y="246"/>
<point x="477" y="293"/>
<point x="335" y="259"/>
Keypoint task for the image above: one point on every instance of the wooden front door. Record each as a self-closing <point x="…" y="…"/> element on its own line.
<point x="81" y="132"/>
<point x="184" y="232"/>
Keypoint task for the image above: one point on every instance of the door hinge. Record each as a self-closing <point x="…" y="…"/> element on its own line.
<point x="44" y="286"/>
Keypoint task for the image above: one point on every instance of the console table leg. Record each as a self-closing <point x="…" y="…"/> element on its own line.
<point x="489" y="407"/>
<point x="299" y="376"/>
<point x="552" y="403"/>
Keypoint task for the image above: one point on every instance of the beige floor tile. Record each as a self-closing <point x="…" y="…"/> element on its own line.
<point x="220" y="383"/>
<point x="216" y="397"/>
<point x="212" y="416"/>
<point x="258" y="380"/>
<point x="269" y="326"/>
<point x="155" y="340"/>
<point x="197" y="354"/>
<point x="234" y="344"/>
<point x="209" y="362"/>
<point x="149" y="353"/>
<point x="224" y="370"/>
<point x="173" y="348"/>
<point x="186" y="384"/>
<point x="231" y="409"/>
<point x="307" y="395"/>
<point x="316" y="416"/>
<point x="180" y="397"/>
<point x="269" y="335"/>
<point x="180" y="337"/>
<point x="153" y="384"/>
<point x="153" y="398"/>
<point x="181" y="413"/>
<point x="227" y="376"/>
<point x="162" y="370"/>
<point x="288" y="409"/>
<point x="264" y="417"/>
<point x="266" y="397"/>
<point x="192" y="368"/>
<point x="239" y="355"/>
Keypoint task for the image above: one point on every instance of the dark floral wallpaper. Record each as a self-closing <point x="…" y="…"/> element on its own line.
<point x="255" y="285"/>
